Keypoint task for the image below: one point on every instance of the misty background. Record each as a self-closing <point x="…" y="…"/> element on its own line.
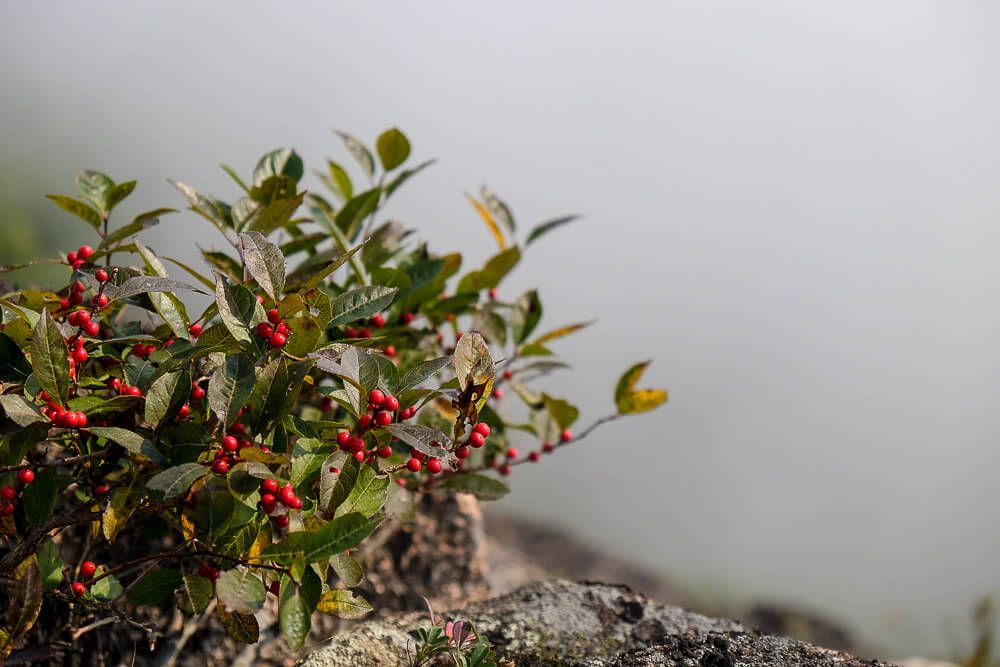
<point x="791" y="206"/>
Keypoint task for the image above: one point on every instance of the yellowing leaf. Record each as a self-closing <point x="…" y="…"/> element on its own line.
<point x="631" y="401"/>
<point x="344" y="604"/>
<point x="475" y="370"/>
<point x="560" y="332"/>
<point x="487" y="217"/>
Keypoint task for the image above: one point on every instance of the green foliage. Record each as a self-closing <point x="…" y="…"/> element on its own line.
<point x="326" y="385"/>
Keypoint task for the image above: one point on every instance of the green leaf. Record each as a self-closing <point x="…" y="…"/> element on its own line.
<point x="317" y="277"/>
<point x="155" y="587"/>
<point x="562" y="412"/>
<point x="21" y="411"/>
<point x="338" y="181"/>
<point x="342" y="533"/>
<point x="77" y="208"/>
<point x="295" y="606"/>
<point x="230" y="386"/>
<point x="242" y="628"/>
<point x="393" y="148"/>
<point x="108" y="588"/>
<point x="146" y="285"/>
<point x="358" y="151"/>
<point x="344" y="604"/>
<point x="279" y="162"/>
<point x="238" y="308"/>
<point x="422" y="371"/>
<point x="196" y="593"/>
<point x="632" y="401"/>
<point x="347" y="569"/>
<point x="492" y="273"/>
<point x="526" y="315"/>
<point x="404" y="176"/>
<point x="368" y="495"/>
<point x="49" y="358"/>
<point x="25" y="601"/>
<point x="349" y="218"/>
<point x="118" y="193"/>
<point x="96" y="187"/>
<point x="214" y="211"/>
<point x="169" y="306"/>
<point x="307" y="456"/>
<point x="50" y="565"/>
<point x="498" y="208"/>
<point x="165" y="395"/>
<point x="560" y="332"/>
<point x="14" y="366"/>
<point x="548" y="226"/>
<point x="141" y="222"/>
<point x="430" y="441"/>
<point x="40" y="496"/>
<point x="361" y="303"/>
<point x="130" y="440"/>
<point x="334" y="487"/>
<point x="481" y="486"/>
<point x="264" y="263"/>
<point x="241" y="590"/>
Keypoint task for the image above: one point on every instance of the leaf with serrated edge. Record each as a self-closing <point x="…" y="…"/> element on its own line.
<point x="263" y="262"/>
<point x="49" y="357"/>
<point x="342" y="533"/>
<point x="360" y="303"/>
<point x="230" y="386"/>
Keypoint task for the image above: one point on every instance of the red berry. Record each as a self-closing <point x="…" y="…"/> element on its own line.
<point x="101" y="489"/>
<point x="282" y="328"/>
<point x="296" y="503"/>
<point x="434" y="466"/>
<point x="483" y="429"/>
<point x="493" y="294"/>
<point x="498" y="393"/>
<point x="139" y="350"/>
<point x="79" y="590"/>
<point x="383" y="418"/>
<point x="390" y="351"/>
<point x="273" y="316"/>
<point x="132" y="391"/>
<point x="195" y="330"/>
<point x="406" y="318"/>
<point x="512" y="453"/>
<point x="185" y="411"/>
<point x="343" y="438"/>
<point x="64" y="302"/>
<point x="81" y="419"/>
<point x="80" y="355"/>
<point x="88" y="568"/>
<point x="8" y="493"/>
<point x="566" y="435"/>
<point x="287" y="494"/>
<point x="101" y="275"/>
<point x="70" y="419"/>
<point x="462" y="452"/>
<point x="92" y="329"/>
<point x="77" y="264"/>
<point x="376" y="397"/>
<point x="364" y="422"/>
<point x="76" y="298"/>
<point x="70" y="257"/>
<point x="378" y="320"/>
<point x="359" y="456"/>
<point x="115" y="383"/>
<point x="220" y="467"/>
<point x="418" y="455"/>
<point x="414" y="465"/>
<point x="268" y="502"/>
<point x="356" y="445"/>
<point x="7" y="509"/>
<point x="230" y="443"/>
<point x="391" y="403"/>
<point x="350" y="332"/>
<point x="25" y="476"/>
<point x="548" y="447"/>
<point x="274" y="588"/>
<point x="100" y="300"/>
<point x="277" y="340"/>
<point x="197" y="393"/>
<point x="265" y="330"/>
<point x="281" y="521"/>
<point x="476" y="439"/>
<point x="238" y="427"/>
<point x="505" y="469"/>
<point x="79" y="286"/>
<point x="269" y="486"/>
<point x="84" y="251"/>
<point x="508" y="374"/>
<point x="366" y="332"/>
<point x="385" y="452"/>
<point x="534" y="456"/>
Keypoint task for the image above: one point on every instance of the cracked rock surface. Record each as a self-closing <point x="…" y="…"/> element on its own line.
<point x="588" y="624"/>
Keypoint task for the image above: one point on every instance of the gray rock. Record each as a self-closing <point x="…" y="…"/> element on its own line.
<point x="587" y="624"/>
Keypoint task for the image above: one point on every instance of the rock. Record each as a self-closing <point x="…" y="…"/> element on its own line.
<point x="587" y="624"/>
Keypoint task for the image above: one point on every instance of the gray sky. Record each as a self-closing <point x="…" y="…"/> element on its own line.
<point x="791" y="206"/>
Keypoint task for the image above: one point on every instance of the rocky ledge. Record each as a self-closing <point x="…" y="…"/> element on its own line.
<point x="587" y="624"/>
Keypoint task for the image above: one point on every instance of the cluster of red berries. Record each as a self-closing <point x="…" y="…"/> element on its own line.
<point x="65" y="418"/>
<point x="275" y="330"/>
<point x="125" y="390"/>
<point x="271" y="495"/>
<point x="476" y="439"/>
<point x="416" y="463"/>
<point x="79" y="258"/>
<point x="82" y="320"/>
<point x="8" y="494"/>
<point x="87" y="570"/>
<point x="382" y="409"/>
<point x="143" y="350"/>
<point x="209" y="572"/>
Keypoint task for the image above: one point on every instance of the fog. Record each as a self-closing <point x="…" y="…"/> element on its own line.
<point x="791" y="206"/>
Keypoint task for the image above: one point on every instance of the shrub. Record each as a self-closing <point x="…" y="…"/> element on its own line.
<point x="149" y="458"/>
